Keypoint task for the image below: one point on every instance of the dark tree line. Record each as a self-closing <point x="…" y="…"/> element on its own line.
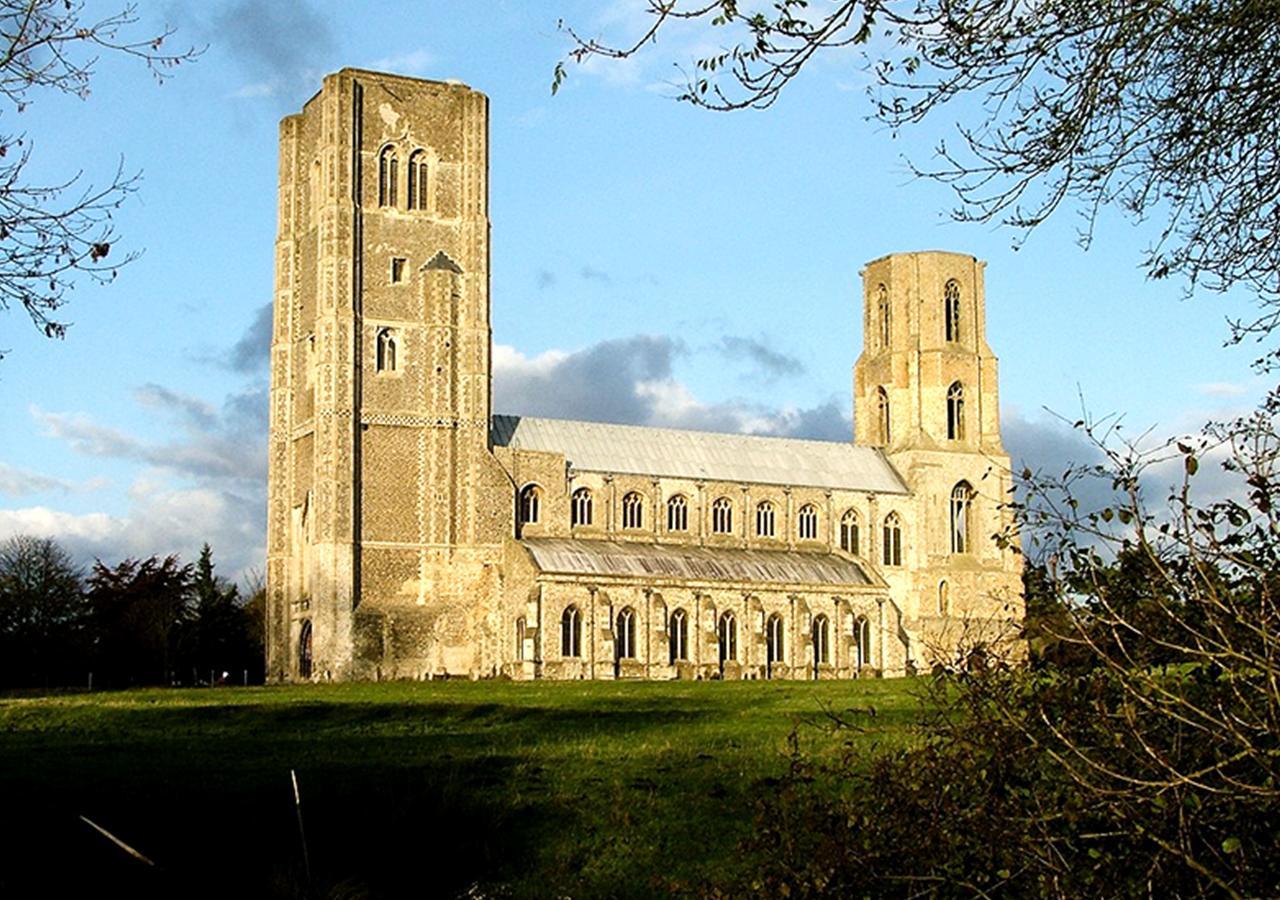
<point x="140" y="622"/>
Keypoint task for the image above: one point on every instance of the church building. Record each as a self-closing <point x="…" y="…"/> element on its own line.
<point x="413" y="533"/>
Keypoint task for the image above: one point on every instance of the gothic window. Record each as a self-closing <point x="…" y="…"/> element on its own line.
<point x="679" y="634"/>
<point x="951" y="310"/>
<point x="571" y="632"/>
<point x="961" y="505"/>
<point x="722" y="516"/>
<point x="773" y="636"/>
<point x="418" y="180"/>
<point x="530" y="500"/>
<point x="388" y="176"/>
<point x="807" y="523"/>
<point x="633" y="511"/>
<point x="821" y="640"/>
<point x="944" y="599"/>
<point x="955" y="412"/>
<point x="580" y="509"/>
<point x="884" y="316"/>
<point x="764" y="519"/>
<point x="892" y="540"/>
<point x="861" y="642"/>
<point x="677" y="513"/>
<point x="520" y="633"/>
<point x="849" y="532"/>
<point x="727" y="632"/>
<point x="385" y="354"/>
<point x="304" y="650"/>
<point x="626" y="634"/>
<point x="882" y="415"/>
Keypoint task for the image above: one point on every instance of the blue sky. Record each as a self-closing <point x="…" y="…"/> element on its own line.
<point x="657" y="263"/>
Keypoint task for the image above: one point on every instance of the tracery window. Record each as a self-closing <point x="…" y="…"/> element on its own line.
<point x="388" y="176"/>
<point x="955" y="412"/>
<point x="861" y="642"/>
<point x="961" y="505"/>
<point x="764" y="519"/>
<point x="882" y="414"/>
<point x="418" y="180"/>
<point x="530" y="501"/>
<point x="385" y="350"/>
<point x="807" y="523"/>
<point x="727" y="632"/>
<point x="571" y="632"/>
<point x="580" y="509"/>
<point x="892" y="540"/>
<point x="821" y="640"/>
<point x="679" y="636"/>
<point x="849" y="532"/>
<point x="951" y="310"/>
<point x="677" y="513"/>
<point x="722" y="516"/>
<point x="626" y="634"/>
<point x="774" y="639"/>
<point x="632" y="511"/>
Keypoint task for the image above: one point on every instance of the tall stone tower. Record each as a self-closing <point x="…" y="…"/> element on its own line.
<point x="925" y="390"/>
<point x="380" y="385"/>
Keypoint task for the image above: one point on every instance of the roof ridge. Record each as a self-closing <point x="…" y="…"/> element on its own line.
<point x="693" y="431"/>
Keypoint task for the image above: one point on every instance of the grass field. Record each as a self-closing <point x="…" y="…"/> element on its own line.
<point x="422" y="789"/>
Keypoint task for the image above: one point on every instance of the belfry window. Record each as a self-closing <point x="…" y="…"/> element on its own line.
<point x="882" y="415"/>
<point x="679" y="629"/>
<point x="530" y="500"/>
<point x="722" y="516"/>
<point x="580" y="509"/>
<point x="571" y="632"/>
<point x="764" y="519"/>
<point x="807" y="523"/>
<point x="418" y="180"/>
<point x="633" y="511"/>
<point x="951" y="311"/>
<point x="892" y="540"/>
<point x="885" y="317"/>
<point x="961" y="505"/>
<point x="388" y="176"/>
<point x="849" y="532"/>
<point x="821" y="640"/>
<point x="955" y="412"/>
<point x="677" y="513"/>
<point x="385" y="351"/>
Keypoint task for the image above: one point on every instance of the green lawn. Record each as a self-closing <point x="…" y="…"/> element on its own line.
<point x="411" y="789"/>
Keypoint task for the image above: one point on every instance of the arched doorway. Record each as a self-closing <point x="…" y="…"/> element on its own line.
<point x="304" y="651"/>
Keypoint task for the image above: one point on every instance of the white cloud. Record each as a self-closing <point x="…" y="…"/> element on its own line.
<point x="414" y="62"/>
<point x="1221" y="389"/>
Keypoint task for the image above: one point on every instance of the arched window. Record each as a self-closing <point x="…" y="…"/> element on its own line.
<point x="626" y="634"/>
<point x="849" y="532"/>
<point x="677" y="513"/>
<point x="530" y="500"/>
<point x="821" y="640"/>
<point x="882" y="414"/>
<point x="304" y="650"/>
<point x="944" y="599"/>
<point x="892" y="540"/>
<point x="581" y="507"/>
<point x="679" y="634"/>
<point x="961" y="504"/>
<point x="633" y="511"/>
<point x="722" y="516"/>
<point x="955" y="412"/>
<point x="418" y="180"/>
<point x="885" y="317"/>
<point x="764" y="519"/>
<point x="774" y="638"/>
<point x="807" y="523"/>
<point x="571" y="632"/>
<point x="861" y="642"/>
<point x="951" y="310"/>
<point x="520" y="633"/>
<point x="728" y="635"/>
<point x="388" y="176"/>
<point x="385" y="351"/>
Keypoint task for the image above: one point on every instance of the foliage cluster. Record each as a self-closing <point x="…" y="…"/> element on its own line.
<point x="149" y="621"/>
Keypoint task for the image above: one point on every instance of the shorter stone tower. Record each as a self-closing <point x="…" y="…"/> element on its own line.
<point x="925" y="390"/>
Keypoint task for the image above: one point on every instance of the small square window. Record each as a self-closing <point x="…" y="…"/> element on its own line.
<point x="397" y="269"/>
